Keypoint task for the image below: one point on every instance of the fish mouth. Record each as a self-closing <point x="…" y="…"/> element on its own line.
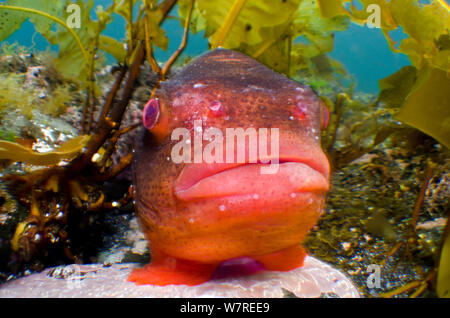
<point x="299" y="169"/>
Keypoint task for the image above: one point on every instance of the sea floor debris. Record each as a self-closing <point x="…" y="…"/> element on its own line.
<point x="369" y="210"/>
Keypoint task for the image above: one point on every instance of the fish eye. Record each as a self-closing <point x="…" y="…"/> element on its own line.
<point x="151" y="113"/>
<point x="156" y="119"/>
<point x="324" y="116"/>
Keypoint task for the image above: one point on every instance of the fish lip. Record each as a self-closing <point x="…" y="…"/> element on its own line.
<point x="193" y="173"/>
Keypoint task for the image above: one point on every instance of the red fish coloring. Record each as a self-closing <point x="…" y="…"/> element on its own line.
<point x="208" y="220"/>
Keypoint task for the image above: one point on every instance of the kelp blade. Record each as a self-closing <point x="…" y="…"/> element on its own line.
<point x="18" y="153"/>
<point x="427" y="107"/>
<point x="443" y="277"/>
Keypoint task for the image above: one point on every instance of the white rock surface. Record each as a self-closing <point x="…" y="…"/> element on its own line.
<point x="89" y="281"/>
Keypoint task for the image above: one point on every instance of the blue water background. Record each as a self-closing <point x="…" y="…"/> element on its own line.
<point x="363" y="51"/>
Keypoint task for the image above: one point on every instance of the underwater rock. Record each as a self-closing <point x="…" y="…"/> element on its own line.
<point x="16" y="62"/>
<point x="33" y="76"/>
<point x="125" y="244"/>
<point x="314" y="279"/>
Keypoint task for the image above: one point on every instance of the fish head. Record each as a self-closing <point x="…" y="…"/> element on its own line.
<point x="230" y="162"/>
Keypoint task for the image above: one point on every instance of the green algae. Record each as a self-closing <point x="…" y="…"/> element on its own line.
<point x="78" y="47"/>
<point x="15" y="93"/>
<point x="266" y="30"/>
<point x="11" y="96"/>
<point x="427" y="47"/>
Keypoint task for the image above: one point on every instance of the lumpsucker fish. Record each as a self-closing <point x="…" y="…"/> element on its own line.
<point x="228" y="174"/>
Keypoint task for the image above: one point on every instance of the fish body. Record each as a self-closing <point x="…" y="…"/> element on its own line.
<point x="205" y="218"/>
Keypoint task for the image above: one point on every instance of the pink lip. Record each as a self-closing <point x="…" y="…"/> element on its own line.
<point x="302" y="168"/>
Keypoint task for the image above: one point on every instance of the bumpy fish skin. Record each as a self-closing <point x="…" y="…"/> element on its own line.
<point x="200" y="217"/>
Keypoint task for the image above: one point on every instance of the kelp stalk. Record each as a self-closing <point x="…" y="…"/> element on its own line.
<point x="130" y="26"/>
<point x="229" y="21"/>
<point x="339" y="101"/>
<point x="166" y="6"/>
<point x="149" y="49"/>
<point x="108" y="123"/>
<point x="180" y="49"/>
<point x="112" y="93"/>
<point x="421" y="196"/>
<point x="90" y="96"/>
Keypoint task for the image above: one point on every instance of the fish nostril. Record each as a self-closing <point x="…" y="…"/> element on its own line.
<point x="150" y="114"/>
<point x="300" y="111"/>
<point x="216" y="108"/>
